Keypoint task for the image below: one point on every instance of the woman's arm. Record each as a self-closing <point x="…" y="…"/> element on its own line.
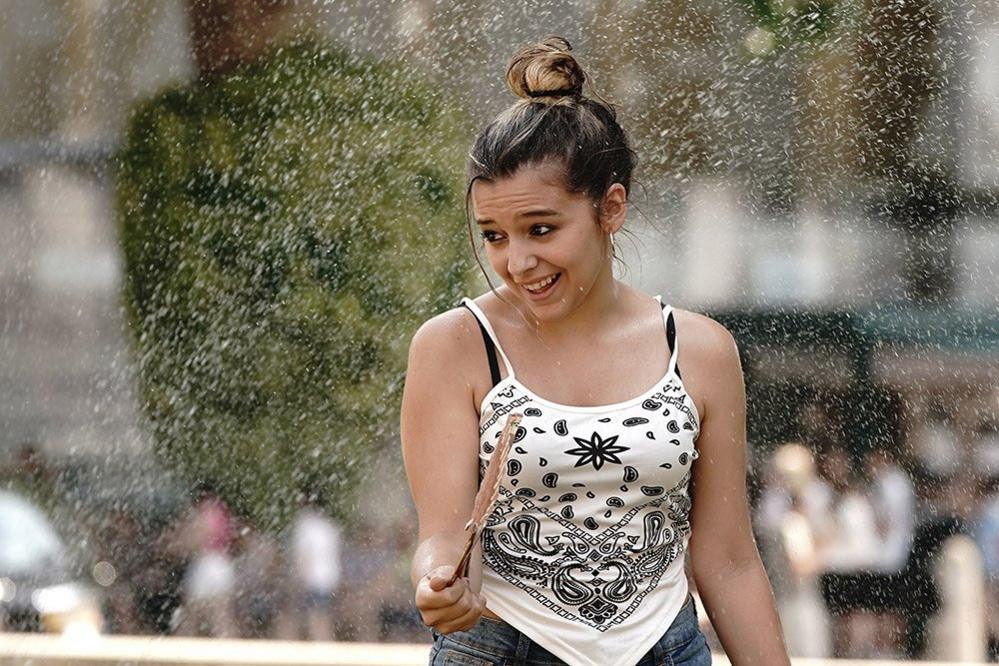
<point x="726" y="563"/>
<point x="440" y="428"/>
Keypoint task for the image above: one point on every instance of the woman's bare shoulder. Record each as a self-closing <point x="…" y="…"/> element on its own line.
<point x="443" y="365"/>
<point x="703" y="338"/>
<point x="709" y="359"/>
<point x="449" y="334"/>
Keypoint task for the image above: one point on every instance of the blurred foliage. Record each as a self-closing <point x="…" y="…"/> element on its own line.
<point x="285" y="230"/>
<point x="789" y="21"/>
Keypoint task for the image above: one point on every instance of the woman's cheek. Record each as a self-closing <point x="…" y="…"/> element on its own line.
<point x="497" y="261"/>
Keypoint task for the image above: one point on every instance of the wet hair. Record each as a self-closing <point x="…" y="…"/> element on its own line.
<point x="553" y="123"/>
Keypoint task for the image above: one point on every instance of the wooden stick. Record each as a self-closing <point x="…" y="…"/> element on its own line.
<point x="486" y="497"/>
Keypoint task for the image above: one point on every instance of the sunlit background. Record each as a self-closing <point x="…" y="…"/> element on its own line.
<point x="221" y="222"/>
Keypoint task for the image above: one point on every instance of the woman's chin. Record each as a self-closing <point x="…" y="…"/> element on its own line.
<point x="548" y="310"/>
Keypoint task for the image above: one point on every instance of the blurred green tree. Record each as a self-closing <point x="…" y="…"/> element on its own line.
<point x="790" y="21"/>
<point x="286" y="225"/>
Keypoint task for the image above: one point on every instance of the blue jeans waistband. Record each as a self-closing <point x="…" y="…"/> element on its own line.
<point x="498" y="639"/>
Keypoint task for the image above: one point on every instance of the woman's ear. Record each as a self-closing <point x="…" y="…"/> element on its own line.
<point x="613" y="208"/>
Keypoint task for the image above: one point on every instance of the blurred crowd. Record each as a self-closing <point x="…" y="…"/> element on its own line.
<point x="849" y="539"/>
<point x="202" y="569"/>
<point x="851" y="542"/>
<point x="213" y="573"/>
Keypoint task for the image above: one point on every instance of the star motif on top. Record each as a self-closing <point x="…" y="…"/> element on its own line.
<point x="596" y="451"/>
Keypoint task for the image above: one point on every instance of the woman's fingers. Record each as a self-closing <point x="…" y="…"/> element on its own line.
<point x="437" y="616"/>
<point x="433" y="590"/>
<point x="438" y="578"/>
<point x="454" y="614"/>
<point x="429" y="599"/>
<point x="448" y="608"/>
<point x="464" y="622"/>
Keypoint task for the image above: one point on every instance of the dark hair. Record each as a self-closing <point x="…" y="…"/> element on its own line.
<point x="554" y="123"/>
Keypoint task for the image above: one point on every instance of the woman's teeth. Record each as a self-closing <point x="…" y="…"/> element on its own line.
<point x="540" y="285"/>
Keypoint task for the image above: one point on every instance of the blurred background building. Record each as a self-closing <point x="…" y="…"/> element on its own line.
<point x="851" y="171"/>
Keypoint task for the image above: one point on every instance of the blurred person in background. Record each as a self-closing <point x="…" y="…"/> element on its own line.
<point x="32" y="476"/>
<point x="377" y="552"/>
<point x="848" y="549"/>
<point x="943" y="509"/>
<point x="259" y="581"/>
<point x="315" y="545"/>
<point x="789" y="543"/>
<point x="985" y="526"/>
<point x="118" y="544"/>
<point x="815" y="494"/>
<point x="32" y="467"/>
<point x="365" y="557"/>
<point x="205" y="535"/>
<point x="400" y="621"/>
<point x="893" y="498"/>
<point x="157" y="582"/>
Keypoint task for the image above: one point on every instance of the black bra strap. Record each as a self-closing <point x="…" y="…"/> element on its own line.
<point x="494" y="370"/>
<point x="671" y="339"/>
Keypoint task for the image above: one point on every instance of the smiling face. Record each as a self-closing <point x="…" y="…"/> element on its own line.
<point x="548" y="245"/>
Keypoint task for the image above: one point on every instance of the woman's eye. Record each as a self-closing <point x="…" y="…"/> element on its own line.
<point x="541" y="229"/>
<point x="490" y="236"/>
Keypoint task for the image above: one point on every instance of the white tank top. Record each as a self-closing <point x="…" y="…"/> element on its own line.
<point x="584" y="552"/>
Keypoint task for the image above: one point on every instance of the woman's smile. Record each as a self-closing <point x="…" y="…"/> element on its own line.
<point x="543" y="288"/>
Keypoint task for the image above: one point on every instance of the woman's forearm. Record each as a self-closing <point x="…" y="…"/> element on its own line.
<point x="740" y="604"/>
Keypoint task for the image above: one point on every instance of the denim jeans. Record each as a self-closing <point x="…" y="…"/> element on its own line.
<point x="495" y="643"/>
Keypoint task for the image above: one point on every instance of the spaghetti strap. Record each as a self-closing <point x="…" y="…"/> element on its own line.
<point x="488" y="330"/>
<point x="494" y="371"/>
<point x="670" y="337"/>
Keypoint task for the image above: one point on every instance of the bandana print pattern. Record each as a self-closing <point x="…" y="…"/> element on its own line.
<point x="592" y="511"/>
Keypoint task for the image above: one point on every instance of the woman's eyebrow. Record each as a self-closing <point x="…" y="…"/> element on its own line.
<point x="540" y="212"/>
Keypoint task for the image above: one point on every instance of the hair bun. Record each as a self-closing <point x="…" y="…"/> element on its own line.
<point x="545" y="71"/>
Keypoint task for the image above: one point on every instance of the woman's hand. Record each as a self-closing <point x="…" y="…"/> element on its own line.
<point x="447" y="609"/>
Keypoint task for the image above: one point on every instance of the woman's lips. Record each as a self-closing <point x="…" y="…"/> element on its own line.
<point x="544" y="293"/>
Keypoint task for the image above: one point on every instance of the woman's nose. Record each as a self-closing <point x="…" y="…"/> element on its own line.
<point x="520" y="259"/>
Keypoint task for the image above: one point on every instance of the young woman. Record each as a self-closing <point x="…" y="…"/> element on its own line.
<point x="582" y="561"/>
